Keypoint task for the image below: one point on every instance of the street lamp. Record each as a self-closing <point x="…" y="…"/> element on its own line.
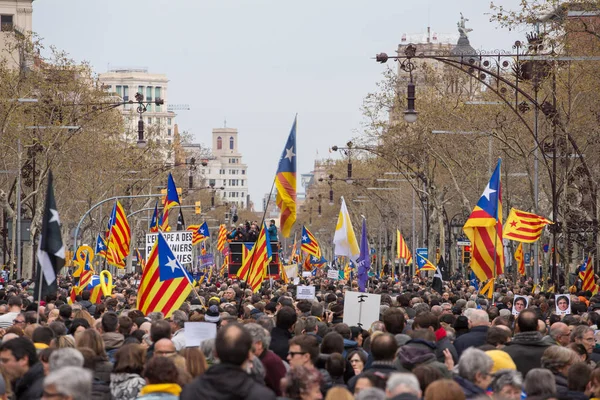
<point x="410" y="114"/>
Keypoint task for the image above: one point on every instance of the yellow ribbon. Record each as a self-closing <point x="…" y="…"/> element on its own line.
<point x="106" y="287"/>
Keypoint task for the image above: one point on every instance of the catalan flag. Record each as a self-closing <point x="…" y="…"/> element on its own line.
<point x="260" y="260"/>
<point x="199" y="234"/>
<point x="525" y="227"/>
<point x="100" y="246"/>
<point x="95" y="290"/>
<point x="141" y="260"/>
<point x="165" y="283"/>
<point x="484" y="230"/>
<point x="309" y="243"/>
<point x="119" y="237"/>
<point x="163" y="221"/>
<point x="222" y="239"/>
<point x="171" y="200"/>
<point x="113" y="258"/>
<point x="285" y="182"/>
<point x="402" y="248"/>
<point x="428" y="266"/>
<point x="520" y="259"/>
<point x="488" y="289"/>
<point x="86" y="275"/>
<point x="589" y="280"/>
<point x="247" y="254"/>
<point x="224" y="266"/>
<point x="154" y="223"/>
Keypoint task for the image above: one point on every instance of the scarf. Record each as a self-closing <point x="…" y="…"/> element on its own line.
<point x="524" y="337"/>
<point x="171" y="388"/>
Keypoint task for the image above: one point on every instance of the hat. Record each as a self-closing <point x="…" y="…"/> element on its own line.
<point x="501" y="360"/>
<point x="215" y="298"/>
<point x="212" y="315"/>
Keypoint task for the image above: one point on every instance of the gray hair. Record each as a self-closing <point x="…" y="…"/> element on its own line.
<point x="579" y="331"/>
<point x="471" y="304"/>
<point x="478" y="317"/>
<point x="473" y="361"/>
<point x="259" y="334"/>
<point x="506" y="377"/>
<point x="75" y="382"/>
<point x="179" y="318"/>
<point x="156" y="316"/>
<point x="539" y="382"/>
<point x="421" y="308"/>
<point x="371" y="393"/>
<point x="406" y="381"/>
<point x="266" y="322"/>
<point x="208" y="348"/>
<point x="65" y="357"/>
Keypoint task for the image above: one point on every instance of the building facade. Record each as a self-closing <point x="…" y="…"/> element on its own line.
<point x="159" y="122"/>
<point x="15" y="20"/>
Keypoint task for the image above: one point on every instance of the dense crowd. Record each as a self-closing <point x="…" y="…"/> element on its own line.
<point x="424" y="345"/>
<point x="249" y="231"/>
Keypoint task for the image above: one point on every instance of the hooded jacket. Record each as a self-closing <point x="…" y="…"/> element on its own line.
<point x="470" y="390"/>
<point x="526" y="350"/>
<point x="419" y="352"/>
<point x="226" y="382"/>
<point x="31" y="385"/>
<point x="126" y="386"/>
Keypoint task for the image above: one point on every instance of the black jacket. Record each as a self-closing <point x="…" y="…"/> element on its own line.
<point x="280" y="342"/>
<point x="384" y="367"/>
<point x="526" y="350"/>
<point x="31" y="385"/>
<point x="226" y="382"/>
<point x="475" y="338"/>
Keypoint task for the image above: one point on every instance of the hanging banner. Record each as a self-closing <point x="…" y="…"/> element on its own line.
<point x="180" y="242"/>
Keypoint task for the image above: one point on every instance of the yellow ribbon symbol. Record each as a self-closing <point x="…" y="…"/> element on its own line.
<point x="80" y="258"/>
<point x="106" y="283"/>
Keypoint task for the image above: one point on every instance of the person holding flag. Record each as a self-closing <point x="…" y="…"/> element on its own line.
<point x="364" y="259"/>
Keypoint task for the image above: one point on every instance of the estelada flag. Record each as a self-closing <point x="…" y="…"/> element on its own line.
<point x="525" y="227"/>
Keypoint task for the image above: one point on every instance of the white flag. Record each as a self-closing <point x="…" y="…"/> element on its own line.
<point x="344" y="238"/>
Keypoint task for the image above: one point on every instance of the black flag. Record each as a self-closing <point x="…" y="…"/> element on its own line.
<point x="51" y="251"/>
<point x="438" y="281"/>
<point x="443" y="269"/>
<point x="180" y="221"/>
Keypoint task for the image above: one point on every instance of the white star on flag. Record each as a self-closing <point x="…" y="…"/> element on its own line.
<point x="487" y="192"/>
<point x="100" y="245"/>
<point x="54" y="217"/>
<point x="173" y="264"/>
<point x="305" y="238"/>
<point x="289" y="153"/>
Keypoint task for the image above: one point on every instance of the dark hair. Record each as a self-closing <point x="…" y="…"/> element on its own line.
<point x="384" y="347"/>
<point x="377" y="379"/>
<point x="160" y="329"/>
<point x="21" y="347"/>
<point x="76" y="323"/>
<point x="85" y="295"/>
<point x="233" y="344"/>
<point x="344" y="330"/>
<point x="427" y="374"/>
<point x="304" y="306"/>
<point x="425" y="320"/>
<point x="110" y="322"/>
<point x="286" y="318"/>
<point x="579" y="376"/>
<point x="361" y="354"/>
<point x="335" y="365"/>
<point x="42" y="334"/>
<point x="527" y="321"/>
<point x="161" y="370"/>
<point x="496" y="336"/>
<point x="15" y="301"/>
<point x="59" y="328"/>
<point x="308" y="344"/>
<point x="65" y="311"/>
<point x="333" y="342"/>
<point x="316" y="310"/>
<point x="125" y="324"/>
<point x="130" y="359"/>
<point x="393" y="319"/>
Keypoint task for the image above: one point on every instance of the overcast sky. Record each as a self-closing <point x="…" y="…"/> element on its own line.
<point x="257" y="63"/>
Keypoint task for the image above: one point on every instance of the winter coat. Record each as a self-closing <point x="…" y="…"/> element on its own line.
<point x="274" y="370"/>
<point x="226" y="382"/>
<point x="443" y="343"/>
<point x="91" y="308"/>
<point x="526" y="349"/>
<point x="31" y="385"/>
<point x="384" y="367"/>
<point x="470" y="390"/>
<point x="419" y="352"/>
<point x="475" y="338"/>
<point x="103" y="370"/>
<point x="280" y="342"/>
<point x="124" y="386"/>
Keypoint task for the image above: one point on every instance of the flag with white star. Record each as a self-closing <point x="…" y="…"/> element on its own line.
<point x="285" y="182"/>
<point x="51" y="251"/>
<point x="309" y="243"/>
<point x="484" y="230"/>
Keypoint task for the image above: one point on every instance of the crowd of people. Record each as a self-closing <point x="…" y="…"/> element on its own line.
<point x="268" y="345"/>
<point x="249" y="231"/>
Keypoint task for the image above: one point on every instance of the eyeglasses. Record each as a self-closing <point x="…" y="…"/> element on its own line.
<point x="16" y="321"/>
<point x="293" y="353"/>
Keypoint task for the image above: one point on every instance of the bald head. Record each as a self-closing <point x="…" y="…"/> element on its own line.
<point x="478" y="318"/>
<point x="164" y="347"/>
<point x="559" y="331"/>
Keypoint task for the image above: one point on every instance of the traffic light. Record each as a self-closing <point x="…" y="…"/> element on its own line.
<point x="466" y="255"/>
<point x="198" y="207"/>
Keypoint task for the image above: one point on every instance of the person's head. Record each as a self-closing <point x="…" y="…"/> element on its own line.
<point x="15" y="303"/>
<point x="476" y="366"/>
<point x="165" y="348"/>
<point x="125" y="325"/>
<point x="520" y="304"/>
<point x="160" y="370"/>
<point x="17" y="356"/>
<point x="369" y="379"/>
<point x="344" y="330"/>
<point x="507" y="384"/>
<point x="393" y="320"/>
<point x="339" y="393"/>
<point x="286" y="318"/>
<point x="195" y="361"/>
<point x="42" y="334"/>
<point x="584" y="335"/>
<point x="559" y="359"/>
<point x="333" y="342"/>
<point x="498" y="336"/>
<point x="68" y="383"/>
<point x="261" y="338"/>
<point x="303" y="350"/>
<point x="384" y="347"/>
<point x="302" y="383"/>
<point x="91" y="339"/>
<point x="160" y="329"/>
<point x="65" y="311"/>
<point x="178" y="320"/>
<point x="562" y="303"/>
<point x="357" y="359"/>
<point x="579" y="376"/>
<point x="560" y="332"/>
<point x="444" y="389"/>
<point x="65" y="357"/>
<point x="540" y="382"/>
<point x="478" y="318"/>
<point x="427" y="374"/>
<point x="229" y="295"/>
<point x="233" y="344"/>
<point x="130" y="359"/>
<point x="527" y="321"/>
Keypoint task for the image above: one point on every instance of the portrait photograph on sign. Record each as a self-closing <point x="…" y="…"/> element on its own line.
<point x="563" y="304"/>
<point x="519" y="304"/>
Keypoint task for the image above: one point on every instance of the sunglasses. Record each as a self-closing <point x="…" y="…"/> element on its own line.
<point x="293" y="353"/>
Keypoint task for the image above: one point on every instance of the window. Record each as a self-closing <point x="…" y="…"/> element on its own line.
<point x="125" y="93"/>
<point x="169" y="121"/>
<point x="231" y="143"/>
<point x="221" y="172"/>
<point x="119" y="90"/>
<point x="148" y="93"/>
<point x="219" y="143"/>
<point x="140" y="89"/>
<point x="212" y="182"/>
<point x="242" y="184"/>
<point x="243" y="172"/>
<point x="6" y="22"/>
<point x="169" y="142"/>
<point x="149" y="120"/>
<point x="224" y="182"/>
<point x="169" y="132"/>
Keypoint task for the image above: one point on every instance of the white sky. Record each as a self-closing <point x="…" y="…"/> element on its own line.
<point x="259" y="62"/>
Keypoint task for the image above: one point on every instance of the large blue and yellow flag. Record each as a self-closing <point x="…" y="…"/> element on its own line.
<point x="484" y="230"/>
<point x="309" y="243"/>
<point x="285" y="182"/>
<point x="171" y="200"/>
<point x="154" y="223"/>
<point x="100" y="246"/>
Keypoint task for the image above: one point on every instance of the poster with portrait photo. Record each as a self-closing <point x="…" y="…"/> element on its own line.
<point x="563" y="304"/>
<point x="519" y="304"/>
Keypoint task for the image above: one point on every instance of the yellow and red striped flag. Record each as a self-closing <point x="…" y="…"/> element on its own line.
<point x="199" y="233"/>
<point x="428" y="266"/>
<point x="520" y="259"/>
<point x="285" y="182"/>
<point x="222" y="239"/>
<point x="309" y="243"/>
<point x="224" y="266"/>
<point x="112" y="256"/>
<point x="260" y="260"/>
<point x="247" y="253"/>
<point x="141" y="260"/>
<point x="165" y="283"/>
<point x="525" y="227"/>
<point x="589" y="280"/>
<point x="119" y="232"/>
<point x="484" y="230"/>
<point x="403" y="250"/>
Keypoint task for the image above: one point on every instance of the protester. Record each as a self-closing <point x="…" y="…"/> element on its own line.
<point x="21" y="366"/>
<point x="126" y="380"/>
<point x="527" y="346"/>
<point x="68" y="383"/>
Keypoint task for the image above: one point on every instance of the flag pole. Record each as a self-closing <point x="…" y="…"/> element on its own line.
<point x="40" y="293"/>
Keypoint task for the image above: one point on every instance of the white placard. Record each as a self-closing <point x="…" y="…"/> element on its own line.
<point x="519" y="304"/>
<point x="306" y="274"/>
<point x="333" y="274"/>
<point x="305" y="292"/>
<point x="296" y="281"/>
<point x="361" y="309"/>
<point x="563" y="304"/>
<point x="197" y="332"/>
<point x="180" y="242"/>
